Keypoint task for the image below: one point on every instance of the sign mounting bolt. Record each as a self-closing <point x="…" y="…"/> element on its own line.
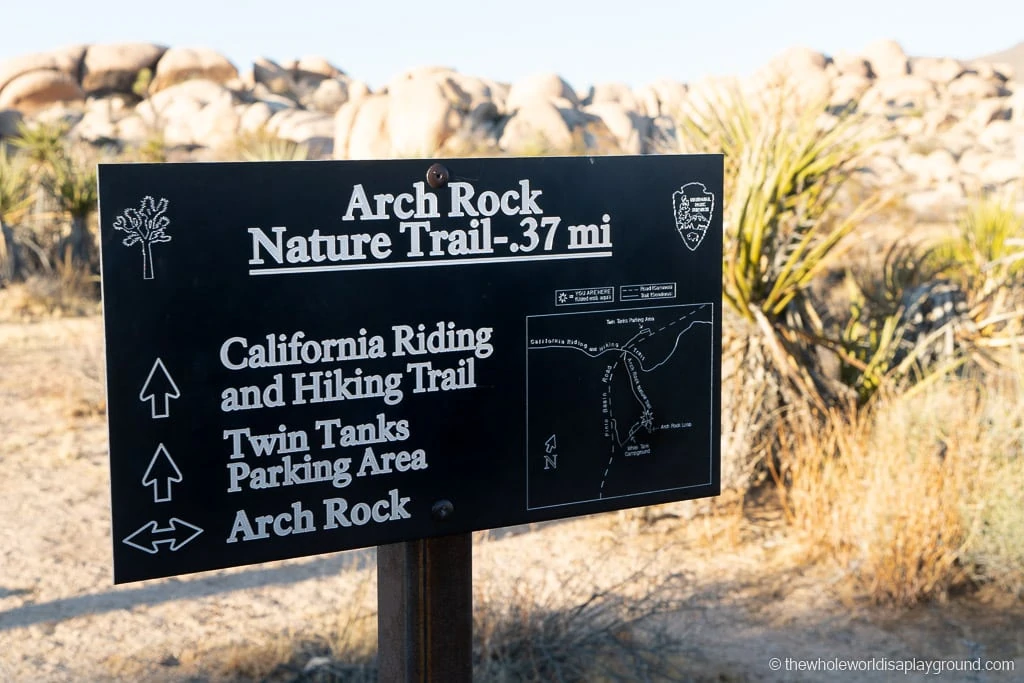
<point x="442" y="510"/>
<point x="437" y="176"/>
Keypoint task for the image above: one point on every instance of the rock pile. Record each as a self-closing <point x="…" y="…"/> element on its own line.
<point x="951" y="128"/>
<point x="193" y="99"/>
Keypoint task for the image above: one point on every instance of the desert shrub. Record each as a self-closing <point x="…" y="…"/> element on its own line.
<point x="899" y="325"/>
<point x="152" y="149"/>
<point x="786" y="219"/>
<point x="84" y="380"/>
<point x="14" y="199"/>
<point x="41" y="141"/>
<point x="909" y="491"/>
<point x="567" y="625"/>
<point x="334" y="657"/>
<point x="584" y="631"/>
<point x="988" y="247"/>
<point x="39" y="270"/>
<point x="263" y="145"/>
<point x="70" y="178"/>
<point x="336" y="646"/>
<point x="911" y="497"/>
<point x="69" y="290"/>
<point x="938" y="308"/>
<point x="65" y="174"/>
<point x="985" y="259"/>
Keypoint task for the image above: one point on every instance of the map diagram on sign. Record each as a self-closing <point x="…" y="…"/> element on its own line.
<point x="615" y="404"/>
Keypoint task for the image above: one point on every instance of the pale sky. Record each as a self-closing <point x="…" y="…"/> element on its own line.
<point x="634" y="41"/>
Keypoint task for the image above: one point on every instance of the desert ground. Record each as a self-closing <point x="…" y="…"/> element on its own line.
<point x="721" y="588"/>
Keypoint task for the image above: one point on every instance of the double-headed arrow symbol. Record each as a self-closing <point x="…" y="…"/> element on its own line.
<point x="150" y="535"/>
<point x="159" y="389"/>
<point x="161" y="473"/>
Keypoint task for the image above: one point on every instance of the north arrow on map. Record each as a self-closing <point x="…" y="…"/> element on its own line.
<point x="150" y="536"/>
<point x="160" y="474"/>
<point x="159" y="389"/>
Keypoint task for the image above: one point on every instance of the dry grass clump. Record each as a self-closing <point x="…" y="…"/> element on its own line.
<point x="82" y="379"/>
<point x="582" y="629"/>
<point x="918" y="496"/>
<point x="565" y="624"/>
<point x="345" y="656"/>
<point x="337" y="645"/>
<point x="68" y="292"/>
<point x="343" y="649"/>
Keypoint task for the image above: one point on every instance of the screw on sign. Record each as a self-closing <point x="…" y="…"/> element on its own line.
<point x="437" y="176"/>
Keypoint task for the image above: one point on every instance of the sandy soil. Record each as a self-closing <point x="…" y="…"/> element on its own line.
<point x="747" y="595"/>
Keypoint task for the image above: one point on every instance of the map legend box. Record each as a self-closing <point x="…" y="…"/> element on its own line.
<point x="659" y="290"/>
<point x="585" y="295"/>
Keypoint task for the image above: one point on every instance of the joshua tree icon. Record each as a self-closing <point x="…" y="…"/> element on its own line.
<point x="145" y="226"/>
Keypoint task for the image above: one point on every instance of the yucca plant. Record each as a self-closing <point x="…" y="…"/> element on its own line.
<point x="152" y="150"/>
<point x="14" y="198"/>
<point x="988" y="248"/>
<point x="40" y="141"/>
<point x="786" y="218"/>
<point x="36" y="143"/>
<point x="262" y="145"/>
<point x="888" y="338"/>
<point x="67" y="175"/>
<point x="884" y="352"/>
<point x="70" y="179"/>
<point x="985" y="260"/>
<point x="939" y="308"/>
<point x="872" y="343"/>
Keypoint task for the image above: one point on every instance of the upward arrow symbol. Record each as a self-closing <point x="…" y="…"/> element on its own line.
<point x="161" y="473"/>
<point x="159" y="389"/>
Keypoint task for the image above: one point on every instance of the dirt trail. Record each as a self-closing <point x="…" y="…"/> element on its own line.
<point x="747" y="596"/>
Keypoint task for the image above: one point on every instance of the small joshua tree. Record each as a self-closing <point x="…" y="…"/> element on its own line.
<point x="67" y="173"/>
<point x="146" y="226"/>
<point x="70" y="178"/>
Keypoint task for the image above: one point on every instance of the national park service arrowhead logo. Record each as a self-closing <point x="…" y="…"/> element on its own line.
<point x="693" y="206"/>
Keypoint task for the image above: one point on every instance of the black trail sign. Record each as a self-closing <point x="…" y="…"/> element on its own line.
<point x="317" y="356"/>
